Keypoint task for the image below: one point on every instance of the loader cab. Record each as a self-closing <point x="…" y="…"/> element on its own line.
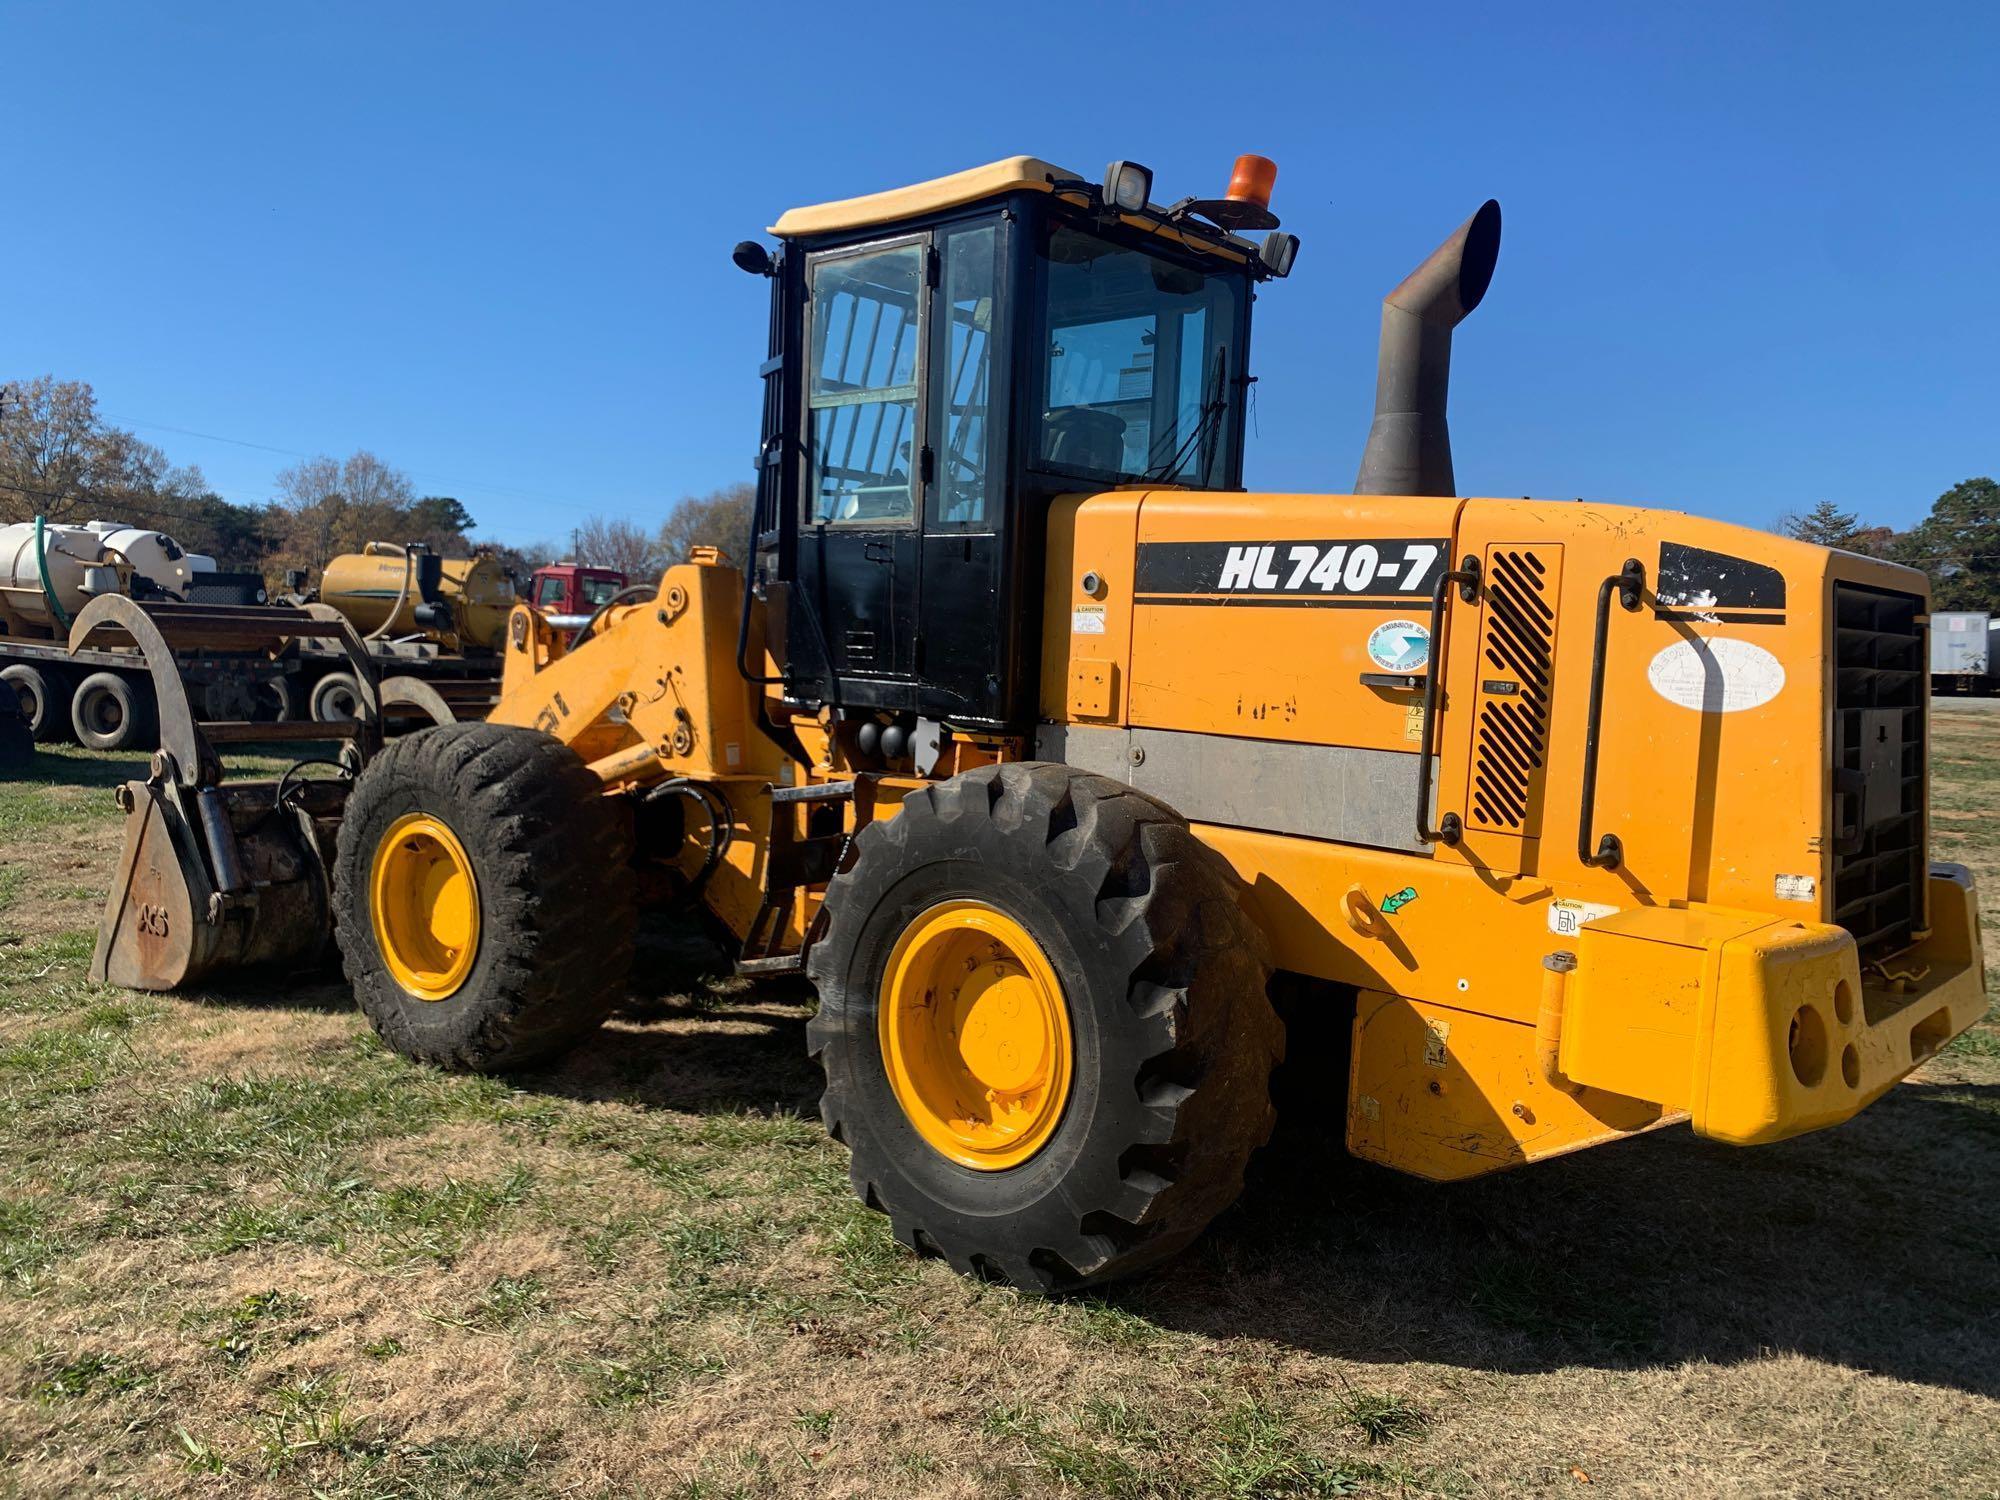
<point x="944" y="361"/>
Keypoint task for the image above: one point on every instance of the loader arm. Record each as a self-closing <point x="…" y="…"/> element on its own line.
<point x="653" y="692"/>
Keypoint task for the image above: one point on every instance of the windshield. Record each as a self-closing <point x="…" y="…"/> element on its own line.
<point x="1140" y="370"/>
<point x="597" y="590"/>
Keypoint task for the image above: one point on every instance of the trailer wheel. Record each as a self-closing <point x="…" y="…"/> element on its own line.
<point x="336" y="698"/>
<point x="276" y="701"/>
<point x="112" y="712"/>
<point x="44" y="694"/>
<point x="483" y="896"/>
<point x="1044" y="1026"/>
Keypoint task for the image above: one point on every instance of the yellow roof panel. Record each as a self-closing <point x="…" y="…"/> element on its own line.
<point x="989" y="181"/>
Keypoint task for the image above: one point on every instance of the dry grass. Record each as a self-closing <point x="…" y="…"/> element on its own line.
<point x="244" y="1251"/>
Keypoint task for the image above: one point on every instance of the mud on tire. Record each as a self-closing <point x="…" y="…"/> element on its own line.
<point x="551" y="857"/>
<point x="1163" y="975"/>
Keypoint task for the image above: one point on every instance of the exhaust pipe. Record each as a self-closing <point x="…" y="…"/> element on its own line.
<point x="1409" y="447"/>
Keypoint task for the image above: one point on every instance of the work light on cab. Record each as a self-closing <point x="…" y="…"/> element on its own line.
<point x="1128" y="186"/>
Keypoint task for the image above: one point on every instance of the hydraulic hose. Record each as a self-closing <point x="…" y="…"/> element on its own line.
<point x="402" y="594"/>
<point x="42" y="568"/>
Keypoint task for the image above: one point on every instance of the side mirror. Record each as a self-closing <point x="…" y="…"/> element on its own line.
<point x="752" y="257"/>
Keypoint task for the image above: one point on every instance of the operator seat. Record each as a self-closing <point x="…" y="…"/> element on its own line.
<point x="1080" y="438"/>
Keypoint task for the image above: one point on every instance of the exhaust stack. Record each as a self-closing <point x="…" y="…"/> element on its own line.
<point x="1409" y="446"/>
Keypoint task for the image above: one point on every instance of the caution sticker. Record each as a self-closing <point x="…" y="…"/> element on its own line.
<point x="1087" y="619"/>
<point x="1566" y="918"/>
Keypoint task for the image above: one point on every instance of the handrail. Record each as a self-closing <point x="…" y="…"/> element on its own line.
<point x="1451" y="828"/>
<point x="1629" y="580"/>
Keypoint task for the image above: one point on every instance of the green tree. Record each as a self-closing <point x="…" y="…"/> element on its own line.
<point x="1958" y="544"/>
<point x="1825" y="525"/>
<point x="443" y="522"/>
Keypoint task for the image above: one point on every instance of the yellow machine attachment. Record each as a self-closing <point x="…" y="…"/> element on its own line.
<point x="1050" y="755"/>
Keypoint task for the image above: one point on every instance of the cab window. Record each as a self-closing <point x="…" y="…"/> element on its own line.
<point x="1140" y="371"/>
<point x="548" y="592"/>
<point x="964" y="495"/>
<point x="597" y="591"/>
<point x="862" y="391"/>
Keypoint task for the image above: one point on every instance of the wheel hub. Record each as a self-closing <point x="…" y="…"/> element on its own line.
<point x="424" y="905"/>
<point x="975" y="1035"/>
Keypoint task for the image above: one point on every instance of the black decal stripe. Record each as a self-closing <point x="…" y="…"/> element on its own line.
<point x="1388" y="602"/>
<point x="1717" y="617"/>
<point x="1199" y="567"/>
<point x="1696" y="578"/>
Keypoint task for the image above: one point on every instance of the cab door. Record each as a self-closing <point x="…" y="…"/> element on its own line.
<point x="867" y="330"/>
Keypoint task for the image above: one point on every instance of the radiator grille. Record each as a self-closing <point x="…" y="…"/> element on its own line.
<point x="1881" y="679"/>
<point x="1511" y="737"/>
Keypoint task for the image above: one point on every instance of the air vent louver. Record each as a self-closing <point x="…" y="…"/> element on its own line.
<point x="1516" y="654"/>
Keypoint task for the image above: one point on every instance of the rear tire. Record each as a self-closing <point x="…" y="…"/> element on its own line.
<point x="111" y="712"/>
<point x="549" y="870"/>
<point x="1169" y="1045"/>
<point x="44" y="694"/>
<point x="336" y="698"/>
<point x="17" y="745"/>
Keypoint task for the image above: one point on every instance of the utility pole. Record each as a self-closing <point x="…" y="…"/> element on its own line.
<point x="576" y="545"/>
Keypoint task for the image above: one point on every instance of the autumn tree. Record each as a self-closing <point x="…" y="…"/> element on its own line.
<point x="327" y="506"/>
<point x="59" y="458"/>
<point x="605" y="542"/>
<point x="719" y="519"/>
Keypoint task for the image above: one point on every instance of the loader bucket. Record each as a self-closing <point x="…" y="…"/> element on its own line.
<point x="234" y="880"/>
<point x="217" y="874"/>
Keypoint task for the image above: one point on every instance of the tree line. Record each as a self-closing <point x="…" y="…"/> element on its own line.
<point x="60" y="458"/>
<point x="1958" y="543"/>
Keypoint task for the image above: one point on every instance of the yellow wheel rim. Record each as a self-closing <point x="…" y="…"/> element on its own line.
<point x="975" y="1035"/>
<point x="424" y="903"/>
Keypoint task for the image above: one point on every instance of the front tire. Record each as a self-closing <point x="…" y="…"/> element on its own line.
<point x="1165" y="1039"/>
<point x="483" y="897"/>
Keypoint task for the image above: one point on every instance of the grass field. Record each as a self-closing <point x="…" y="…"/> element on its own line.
<point x="243" y="1250"/>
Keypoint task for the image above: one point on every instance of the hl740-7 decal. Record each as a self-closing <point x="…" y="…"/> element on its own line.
<point x="1331" y="572"/>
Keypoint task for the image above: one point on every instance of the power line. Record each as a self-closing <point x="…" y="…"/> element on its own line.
<point x="459" y="483"/>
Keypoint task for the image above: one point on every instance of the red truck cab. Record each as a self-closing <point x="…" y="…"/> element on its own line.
<point x="565" y="591"/>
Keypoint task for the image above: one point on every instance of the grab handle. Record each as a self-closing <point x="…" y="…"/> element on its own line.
<point x="1451" y="828"/>
<point x="1628" y="581"/>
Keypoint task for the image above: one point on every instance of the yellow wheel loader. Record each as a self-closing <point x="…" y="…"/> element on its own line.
<point x="1050" y="755"/>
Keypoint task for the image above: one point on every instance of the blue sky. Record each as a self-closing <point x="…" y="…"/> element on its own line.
<point x="1750" y="253"/>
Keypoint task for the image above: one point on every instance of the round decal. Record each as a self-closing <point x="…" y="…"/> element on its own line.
<point x="1399" y="646"/>
<point x="1716" y="675"/>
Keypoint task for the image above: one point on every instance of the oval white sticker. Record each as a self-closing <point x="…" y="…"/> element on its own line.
<point x="1716" y="675"/>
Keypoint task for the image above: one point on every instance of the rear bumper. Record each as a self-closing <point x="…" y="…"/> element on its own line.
<point x="1765" y="1029"/>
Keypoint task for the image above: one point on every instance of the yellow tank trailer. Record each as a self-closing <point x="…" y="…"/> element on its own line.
<point x="1050" y="753"/>
<point x="458" y="603"/>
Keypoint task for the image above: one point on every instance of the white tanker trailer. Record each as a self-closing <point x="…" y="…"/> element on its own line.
<point x="102" y="697"/>
<point x="434" y="620"/>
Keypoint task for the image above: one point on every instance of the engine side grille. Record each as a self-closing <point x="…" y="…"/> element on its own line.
<point x="1881" y="679"/>
<point x="1511" y="737"/>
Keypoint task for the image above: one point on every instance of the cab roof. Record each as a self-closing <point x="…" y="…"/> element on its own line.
<point x="1014" y="174"/>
